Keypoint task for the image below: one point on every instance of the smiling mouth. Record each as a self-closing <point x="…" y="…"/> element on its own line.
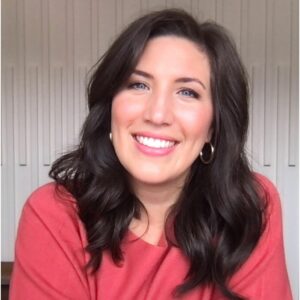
<point x="154" y="142"/>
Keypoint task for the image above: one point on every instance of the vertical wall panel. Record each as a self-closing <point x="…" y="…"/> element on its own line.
<point x="21" y="109"/>
<point x="85" y="38"/>
<point x="283" y="95"/>
<point x="45" y="73"/>
<point x="68" y="114"/>
<point x="58" y="47"/>
<point x="249" y="142"/>
<point x="22" y="181"/>
<point x="294" y="100"/>
<point x="127" y="11"/>
<point x="256" y="13"/>
<point x="107" y="24"/>
<point x="80" y="110"/>
<point x="8" y="161"/>
<point x="32" y="95"/>
<point x="56" y="109"/>
<point x="293" y="130"/>
<point x="207" y="9"/>
<point x="94" y="23"/>
<point x="244" y="39"/>
<point x="154" y="4"/>
<point x="219" y="11"/>
<point x="258" y="116"/>
<point x="292" y="133"/>
<point x="84" y="20"/>
<point x="22" y="133"/>
<point x="187" y="4"/>
<point x="270" y="101"/>
<point x="195" y="11"/>
<point x="33" y="65"/>
<point x="230" y="16"/>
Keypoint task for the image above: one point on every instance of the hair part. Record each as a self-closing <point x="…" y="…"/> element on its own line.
<point x="221" y="203"/>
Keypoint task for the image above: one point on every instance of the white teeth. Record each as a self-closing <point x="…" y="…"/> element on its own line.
<point x="154" y="143"/>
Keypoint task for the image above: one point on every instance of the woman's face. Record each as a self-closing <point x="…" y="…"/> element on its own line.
<point x="163" y="115"/>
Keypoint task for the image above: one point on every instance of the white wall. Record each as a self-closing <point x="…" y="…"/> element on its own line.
<point x="49" y="45"/>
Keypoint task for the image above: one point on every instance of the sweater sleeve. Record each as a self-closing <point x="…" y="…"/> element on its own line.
<point x="264" y="275"/>
<point x="49" y="256"/>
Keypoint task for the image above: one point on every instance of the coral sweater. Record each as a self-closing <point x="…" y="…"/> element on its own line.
<point x="50" y="260"/>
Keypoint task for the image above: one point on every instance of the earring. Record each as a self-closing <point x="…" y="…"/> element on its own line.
<point x="110" y="136"/>
<point x="212" y="150"/>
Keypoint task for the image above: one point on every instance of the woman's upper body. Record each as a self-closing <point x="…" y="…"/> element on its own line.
<point x="51" y="260"/>
<point x="161" y="152"/>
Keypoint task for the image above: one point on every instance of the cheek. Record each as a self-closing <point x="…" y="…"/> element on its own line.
<point x="124" y="111"/>
<point x="197" y="123"/>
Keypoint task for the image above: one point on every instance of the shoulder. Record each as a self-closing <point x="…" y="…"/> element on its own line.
<point x="264" y="275"/>
<point x="50" y="255"/>
<point x="272" y="235"/>
<point x="265" y="183"/>
<point x="52" y="197"/>
<point x="267" y="186"/>
<point x="52" y="206"/>
<point x="271" y="198"/>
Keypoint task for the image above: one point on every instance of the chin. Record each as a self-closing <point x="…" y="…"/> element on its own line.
<point x="150" y="180"/>
<point x="157" y="179"/>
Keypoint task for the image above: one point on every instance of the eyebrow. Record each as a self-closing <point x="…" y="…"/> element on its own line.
<point x="181" y="79"/>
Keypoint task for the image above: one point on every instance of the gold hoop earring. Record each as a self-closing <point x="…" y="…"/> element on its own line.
<point x="212" y="150"/>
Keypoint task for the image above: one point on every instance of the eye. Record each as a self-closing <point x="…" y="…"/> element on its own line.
<point x="189" y="93"/>
<point x="138" y="86"/>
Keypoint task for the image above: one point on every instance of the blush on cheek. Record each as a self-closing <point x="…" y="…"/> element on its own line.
<point x="125" y="109"/>
<point x="197" y="123"/>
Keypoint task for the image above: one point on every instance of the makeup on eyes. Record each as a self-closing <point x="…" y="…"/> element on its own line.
<point x="187" y="92"/>
<point x="137" y="83"/>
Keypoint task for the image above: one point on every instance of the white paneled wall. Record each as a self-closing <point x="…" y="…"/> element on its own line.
<point x="48" y="46"/>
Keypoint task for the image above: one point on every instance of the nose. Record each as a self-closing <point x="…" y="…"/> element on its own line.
<point x="158" y="110"/>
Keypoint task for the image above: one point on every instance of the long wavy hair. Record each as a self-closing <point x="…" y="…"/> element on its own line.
<point x="218" y="218"/>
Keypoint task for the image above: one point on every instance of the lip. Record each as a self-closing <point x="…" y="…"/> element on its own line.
<point x="154" y="151"/>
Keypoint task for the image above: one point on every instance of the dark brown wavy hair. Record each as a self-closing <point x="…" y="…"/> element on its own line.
<point x="218" y="217"/>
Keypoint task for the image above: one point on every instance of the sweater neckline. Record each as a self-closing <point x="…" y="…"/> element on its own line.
<point x="162" y="243"/>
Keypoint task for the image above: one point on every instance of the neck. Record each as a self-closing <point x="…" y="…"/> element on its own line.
<point x="157" y="201"/>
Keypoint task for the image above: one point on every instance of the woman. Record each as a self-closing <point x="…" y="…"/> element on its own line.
<point x="157" y="201"/>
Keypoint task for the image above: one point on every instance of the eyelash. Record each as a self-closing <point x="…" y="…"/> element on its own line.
<point x="137" y="86"/>
<point x="142" y="86"/>
<point x="192" y="93"/>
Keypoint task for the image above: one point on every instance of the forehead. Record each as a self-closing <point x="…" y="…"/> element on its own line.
<point x="177" y="54"/>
